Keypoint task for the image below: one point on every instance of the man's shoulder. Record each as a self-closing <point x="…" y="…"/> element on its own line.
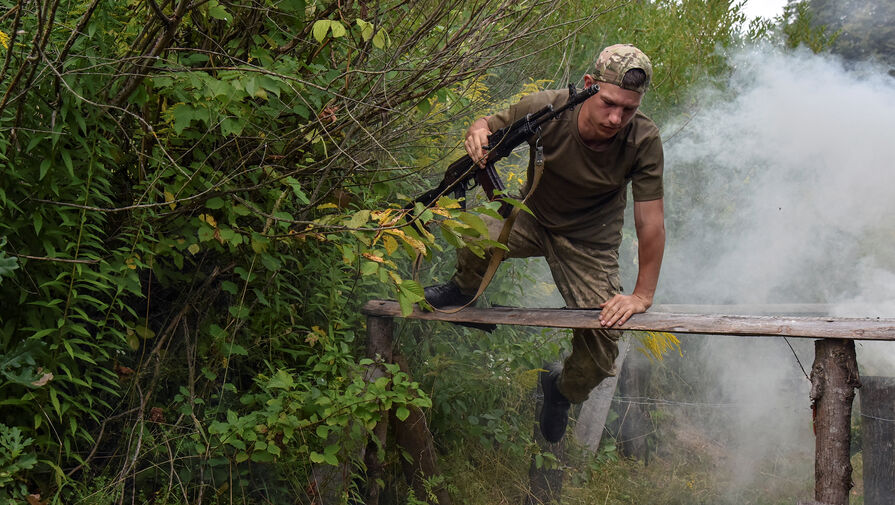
<point x="642" y="130"/>
<point x="538" y="99"/>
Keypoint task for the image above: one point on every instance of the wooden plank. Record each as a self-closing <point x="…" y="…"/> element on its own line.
<point x="709" y="324"/>
<point x="754" y="309"/>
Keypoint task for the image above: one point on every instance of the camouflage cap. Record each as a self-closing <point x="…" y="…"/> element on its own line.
<point x="615" y="61"/>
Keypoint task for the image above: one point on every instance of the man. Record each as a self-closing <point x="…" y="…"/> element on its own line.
<point x="589" y="156"/>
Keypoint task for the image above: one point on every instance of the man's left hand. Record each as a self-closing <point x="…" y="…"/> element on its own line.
<point x="620" y="307"/>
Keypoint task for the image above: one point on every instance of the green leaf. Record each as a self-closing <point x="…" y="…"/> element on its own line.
<point x="217" y="11"/>
<point x="230" y="349"/>
<point x="183" y="115"/>
<point x="144" y="332"/>
<point x="215" y="203"/>
<point x="232" y="126"/>
<point x="281" y="380"/>
<point x="413" y="290"/>
<point x="369" y="268"/>
<point x="338" y="29"/>
<point x="316" y="457"/>
<point x="7" y="265"/>
<point x="381" y="39"/>
<point x="133" y="341"/>
<point x="271" y="263"/>
<point x="366" y="29"/>
<point x="476" y="223"/>
<point x="405" y="303"/>
<point x="402" y="413"/>
<point x="321" y="26"/>
<point x="518" y="203"/>
<point x="66" y="158"/>
<point x="359" y="218"/>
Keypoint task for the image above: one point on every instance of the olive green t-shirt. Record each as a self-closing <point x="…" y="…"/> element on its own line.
<point x="583" y="191"/>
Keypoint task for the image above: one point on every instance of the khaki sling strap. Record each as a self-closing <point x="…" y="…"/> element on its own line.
<point x="498" y="254"/>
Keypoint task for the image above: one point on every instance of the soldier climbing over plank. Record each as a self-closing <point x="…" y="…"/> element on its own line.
<point x="585" y="160"/>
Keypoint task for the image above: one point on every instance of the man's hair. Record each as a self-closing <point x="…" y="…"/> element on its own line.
<point x="634" y="78"/>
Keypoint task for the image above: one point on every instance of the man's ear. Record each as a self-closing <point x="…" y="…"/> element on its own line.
<point x="588" y="80"/>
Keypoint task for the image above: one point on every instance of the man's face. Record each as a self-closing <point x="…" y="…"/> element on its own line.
<point x="607" y="112"/>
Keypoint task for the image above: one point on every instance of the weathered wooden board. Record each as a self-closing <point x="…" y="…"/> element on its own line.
<point x="709" y="324"/>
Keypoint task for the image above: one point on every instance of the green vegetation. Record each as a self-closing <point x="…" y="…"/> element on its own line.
<point x="197" y="197"/>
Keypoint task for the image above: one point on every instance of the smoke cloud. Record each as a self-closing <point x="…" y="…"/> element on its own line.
<point x="780" y="189"/>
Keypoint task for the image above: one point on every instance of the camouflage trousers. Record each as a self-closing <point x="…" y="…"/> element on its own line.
<point x="586" y="277"/>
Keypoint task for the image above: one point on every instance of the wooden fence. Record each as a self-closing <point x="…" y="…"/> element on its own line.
<point x="834" y="374"/>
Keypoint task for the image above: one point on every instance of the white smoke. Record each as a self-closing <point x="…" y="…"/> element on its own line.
<point x="780" y="188"/>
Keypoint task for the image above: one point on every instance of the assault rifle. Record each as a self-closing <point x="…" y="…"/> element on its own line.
<point x="463" y="175"/>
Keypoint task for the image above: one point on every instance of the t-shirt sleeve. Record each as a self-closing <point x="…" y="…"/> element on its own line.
<point x="529" y="103"/>
<point x="646" y="179"/>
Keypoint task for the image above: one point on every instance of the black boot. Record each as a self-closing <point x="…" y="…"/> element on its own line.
<point x="555" y="409"/>
<point x="446" y="295"/>
<point x="449" y="295"/>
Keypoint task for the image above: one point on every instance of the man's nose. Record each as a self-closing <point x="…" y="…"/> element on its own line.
<point x="615" y="116"/>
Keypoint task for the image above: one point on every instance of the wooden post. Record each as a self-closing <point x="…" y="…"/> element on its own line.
<point x="592" y="419"/>
<point x="379" y="346"/>
<point x="834" y="378"/>
<point x="413" y="436"/>
<point x="878" y="422"/>
<point x="633" y="425"/>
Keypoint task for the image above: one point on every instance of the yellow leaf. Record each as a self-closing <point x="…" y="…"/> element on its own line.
<point x="169" y="197"/>
<point x="338" y="29"/>
<point x="390" y="244"/>
<point x="193" y="248"/>
<point x="381" y="216"/>
<point x="327" y="206"/>
<point x="366" y="29"/>
<point x="321" y="26"/>
<point x="209" y="219"/>
<point x="372" y="257"/>
<point x="414" y="243"/>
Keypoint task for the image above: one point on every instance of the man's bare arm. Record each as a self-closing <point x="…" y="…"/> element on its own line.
<point x="649" y="221"/>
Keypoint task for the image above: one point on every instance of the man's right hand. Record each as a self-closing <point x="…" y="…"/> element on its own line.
<point x="477" y="139"/>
